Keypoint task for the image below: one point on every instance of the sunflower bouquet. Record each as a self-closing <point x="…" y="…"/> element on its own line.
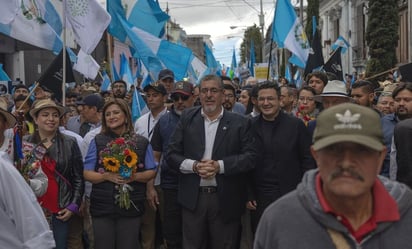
<point x="119" y="156"/>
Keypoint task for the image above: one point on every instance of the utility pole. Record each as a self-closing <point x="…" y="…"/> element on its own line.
<point x="167" y="23"/>
<point x="301" y="12"/>
<point x="262" y="27"/>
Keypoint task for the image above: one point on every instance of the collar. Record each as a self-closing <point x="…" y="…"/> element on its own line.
<point x="385" y="209"/>
<point x="207" y="118"/>
<point x="159" y="114"/>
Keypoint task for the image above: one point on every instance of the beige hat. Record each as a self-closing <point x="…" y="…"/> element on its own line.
<point x="334" y="88"/>
<point x="45" y="103"/>
<point x="10" y="119"/>
<point x="348" y="123"/>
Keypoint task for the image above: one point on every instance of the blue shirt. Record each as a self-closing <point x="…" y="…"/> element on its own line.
<point x="388" y="125"/>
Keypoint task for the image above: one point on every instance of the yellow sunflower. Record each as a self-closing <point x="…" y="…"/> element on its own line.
<point x="130" y="159"/>
<point x="111" y="164"/>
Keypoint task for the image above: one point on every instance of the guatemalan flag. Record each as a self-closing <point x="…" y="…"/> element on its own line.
<point x="29" y="23"/>
<point x="157" y="53"/>
<point x="288" y="33"/>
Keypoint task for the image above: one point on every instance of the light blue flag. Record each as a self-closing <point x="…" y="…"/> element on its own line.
<point x="139" y="106"/>
<point x="30" y="25"/>
<point x="288" y="33"/>
<point x="117" y="12"/>
<point x="138" y="70"/>
<point x="144" y="14"/>
<point x="297" y="78"/>
<point x="53" y="18"/>
<point x="3" y="74"/>
<point x="147" y="79"/>
<point x="341" y="42"/>
<point x="288" y="75"/>
<point x="105" y="82"/>
<point x="72" y="55"/>
<point x="125" y="72"/>
<point x="233" y="65"/>
<point x="114" y="73"/>
<point x="147" y="15"/>
<point x="252" y="59"/>
<point x="157" y="54"/>
<point x="196" y="70"/>
<point x="211" y="63"/>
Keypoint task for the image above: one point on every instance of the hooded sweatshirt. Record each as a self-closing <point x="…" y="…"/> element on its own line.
<point x="298" y="221"/>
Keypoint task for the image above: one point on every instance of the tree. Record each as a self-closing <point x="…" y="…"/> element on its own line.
<point x="382" y="35"/>
<point x="251" y="33"/>
<point x="312" y="10"/>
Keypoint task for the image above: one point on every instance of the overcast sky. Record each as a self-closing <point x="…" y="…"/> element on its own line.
<point x="214" y="17"/>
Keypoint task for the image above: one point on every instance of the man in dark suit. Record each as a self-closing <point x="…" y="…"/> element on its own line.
<point x="213" y="150"/>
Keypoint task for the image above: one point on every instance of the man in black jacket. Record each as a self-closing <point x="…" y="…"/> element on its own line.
<point x="213" y="150"/>
<point x="284" y="152"/>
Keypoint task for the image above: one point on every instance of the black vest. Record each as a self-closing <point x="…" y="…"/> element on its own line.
<point x="102" y="198"/>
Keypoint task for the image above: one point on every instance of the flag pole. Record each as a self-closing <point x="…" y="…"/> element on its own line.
<point x="36" y="84"/>
<point x="64" y="55"/>
<point x="109" y="53"/>
<point x="382" y="73"/>
<point x="270" y="59"/>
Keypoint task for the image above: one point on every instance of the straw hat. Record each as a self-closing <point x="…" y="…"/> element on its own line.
<point x="334" y="88"/>
<point x="10" y="119"/>
<point x="45" y="103"/>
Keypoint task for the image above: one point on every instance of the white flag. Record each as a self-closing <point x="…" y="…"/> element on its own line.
<point x="88" y="20"/>
<point x="29" y="23"/>
<point x="86" y="65"/>
<point x="8" y="11"/>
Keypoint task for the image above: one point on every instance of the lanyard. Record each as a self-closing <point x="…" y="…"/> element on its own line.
<point x="149" y="131"/>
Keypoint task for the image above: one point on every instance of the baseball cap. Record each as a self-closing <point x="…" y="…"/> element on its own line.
<point x="334" y="88"/>
<point x="348" y="122"/>
<point x="158" y="87"/>
<point x="183" y="87"/>
<point x="92" y="100"/>
<point x="166" y="73"/>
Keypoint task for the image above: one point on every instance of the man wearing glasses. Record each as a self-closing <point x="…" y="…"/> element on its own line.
<point x="283" y="143"/>
<point x="213" y="150"/>
<point x="229" y="101"/>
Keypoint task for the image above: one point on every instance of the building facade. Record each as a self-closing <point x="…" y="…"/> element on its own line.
<point x="349" y="19"/>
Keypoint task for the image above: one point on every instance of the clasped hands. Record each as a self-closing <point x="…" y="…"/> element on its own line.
<point x="206" y="168"/>
<point x="116" y="178"/>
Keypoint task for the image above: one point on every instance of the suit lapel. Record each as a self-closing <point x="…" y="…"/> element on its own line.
<point x="222" y="130"/>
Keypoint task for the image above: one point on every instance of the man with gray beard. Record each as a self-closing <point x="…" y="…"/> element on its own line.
<point x="182" y="97"/>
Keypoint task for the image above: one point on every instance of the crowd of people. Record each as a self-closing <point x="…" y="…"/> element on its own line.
<point x="215" y="165"/>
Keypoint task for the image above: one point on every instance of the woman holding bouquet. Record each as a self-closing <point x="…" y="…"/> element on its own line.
<point x="61" y="161"/>
<point x="118" y="164"/>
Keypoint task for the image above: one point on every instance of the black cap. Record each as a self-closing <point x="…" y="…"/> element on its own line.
<point x="92" y="100"/>
<point x="166" y="73"/>
<point x="158" y="87"/>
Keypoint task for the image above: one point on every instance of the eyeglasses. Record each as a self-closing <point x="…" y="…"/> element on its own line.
<point x="176" y="97"/>
<point x="308" y="99"/>
<point x="211" y="90"/>
<point x="269" y="99"/>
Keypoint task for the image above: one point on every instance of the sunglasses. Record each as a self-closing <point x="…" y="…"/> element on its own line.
<point x="177" y="97"/>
